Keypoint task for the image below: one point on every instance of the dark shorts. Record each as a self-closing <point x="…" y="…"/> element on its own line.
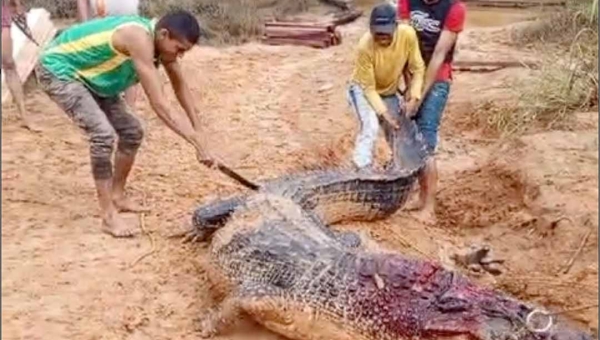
<point x="102" y="119"/>
<point x="430" y="113"/>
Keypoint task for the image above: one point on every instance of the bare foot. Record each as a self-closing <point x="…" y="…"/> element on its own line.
<point x="415" y="206"/>
<point x="116" y="227"/>
<point x="30" y="126"/>
<point x="208" y="327"/>
<point x="425" y="216"/>
<point x="125" y="204"/>
<point x="217" y="320"/>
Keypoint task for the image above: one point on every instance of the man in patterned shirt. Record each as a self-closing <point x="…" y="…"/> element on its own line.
<point x="438" y="24"/>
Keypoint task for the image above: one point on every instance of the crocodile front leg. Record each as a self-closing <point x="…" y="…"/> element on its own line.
<point x="212" y="216"/>
<point x="221" y="318"/>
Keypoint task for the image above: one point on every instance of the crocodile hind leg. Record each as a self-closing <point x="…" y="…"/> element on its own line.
<point x="278" y="311"/>
<point x="296" y="321"/>
<point x="225" y="316"/>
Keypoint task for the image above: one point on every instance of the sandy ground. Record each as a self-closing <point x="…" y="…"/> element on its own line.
<point x="269" y="110"/>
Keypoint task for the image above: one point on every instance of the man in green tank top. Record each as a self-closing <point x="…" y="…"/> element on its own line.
<point x="86" y="69"/>
<point x="90" y="9"/>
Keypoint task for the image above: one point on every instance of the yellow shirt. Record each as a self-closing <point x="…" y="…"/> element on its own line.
<point x="378" y="68"/>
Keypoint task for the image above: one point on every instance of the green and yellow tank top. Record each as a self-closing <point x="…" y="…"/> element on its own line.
<point x="84" y="52"/>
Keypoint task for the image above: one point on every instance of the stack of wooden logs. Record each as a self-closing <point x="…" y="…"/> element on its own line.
<point x="304" y="34"/>
<point x="317" y="34"/>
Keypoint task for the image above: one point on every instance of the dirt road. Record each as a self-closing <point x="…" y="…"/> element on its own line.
<point x="269" y="110"/>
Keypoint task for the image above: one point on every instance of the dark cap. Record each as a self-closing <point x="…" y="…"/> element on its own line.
<point x="383" y="19"/>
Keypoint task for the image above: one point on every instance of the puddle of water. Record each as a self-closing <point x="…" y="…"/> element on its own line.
<point x="490" y="17"/>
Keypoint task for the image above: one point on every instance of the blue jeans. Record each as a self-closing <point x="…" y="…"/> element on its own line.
<point x="430" y="113"/>
<point x="369" y="123"/>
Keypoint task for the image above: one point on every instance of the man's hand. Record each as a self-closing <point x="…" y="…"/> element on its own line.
<point x="16" y="7"/>
<point x="391" y="120"/>
<point x="205" y="158"/>
<point x="411" y="107"/>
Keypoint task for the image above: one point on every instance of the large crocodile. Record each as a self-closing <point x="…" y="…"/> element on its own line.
<point x="274" y="258"/>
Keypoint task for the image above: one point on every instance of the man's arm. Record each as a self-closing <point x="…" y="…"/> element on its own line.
<point x="414" y="74"/>
<point x="416" y="67"/>
<point x="452" y="27"/>
<point x="83" y="10"/>
<point x="139" y="45"/>
<point x="444" y="44"/>
<point x="365" y="76"/>
<point x="403" y="17"/>
<point x="182" y="91"/>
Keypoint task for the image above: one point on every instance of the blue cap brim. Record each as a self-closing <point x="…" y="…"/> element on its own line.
<point x="384" y="29"/>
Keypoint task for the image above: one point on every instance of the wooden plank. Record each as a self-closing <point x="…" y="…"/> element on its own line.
<point x="299" y="28"/>
<point x="299" y="23"/>
<point x="25" y="52"/>
<point x="310" y="25"/>
<point x="476" y="69"/>
<point x="327" y="36"/>
<point x="295" y="31"/>
<point x="308" y="43"/>
<point x="315" y="35"/>
<point x="301" y="38"/>
<point x="514" y="4"/>
<point x="494" y="63"/>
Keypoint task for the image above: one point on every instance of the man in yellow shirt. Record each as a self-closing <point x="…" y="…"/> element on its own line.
<point x="383" y="53"/>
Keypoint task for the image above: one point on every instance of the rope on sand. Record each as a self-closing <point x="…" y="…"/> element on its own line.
<point x="147" y="233"/>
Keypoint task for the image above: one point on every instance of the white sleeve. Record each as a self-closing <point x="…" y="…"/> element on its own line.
<point x="115" y="7"/>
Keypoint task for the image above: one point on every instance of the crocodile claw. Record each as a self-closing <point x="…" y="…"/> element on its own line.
<point x="195" y="235"/>
<point x="207" y="329"/>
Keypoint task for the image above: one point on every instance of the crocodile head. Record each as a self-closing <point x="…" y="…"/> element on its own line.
<point x="491" y="315"/>
<point x="409" y="298"/>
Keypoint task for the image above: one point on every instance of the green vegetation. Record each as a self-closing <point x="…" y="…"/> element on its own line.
<point x="225" y="21"/>
<point x="567" y="78"/>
